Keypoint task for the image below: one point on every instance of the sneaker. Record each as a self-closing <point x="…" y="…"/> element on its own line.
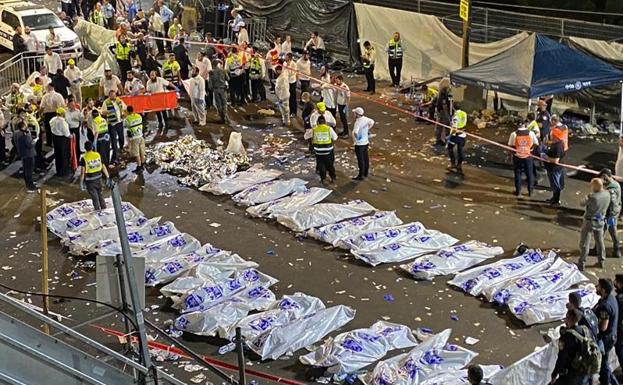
<point x="357" y="178"/>
<point x="600" y="264"/>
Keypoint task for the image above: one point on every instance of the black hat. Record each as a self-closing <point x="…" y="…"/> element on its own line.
<point x="605" y="171"/>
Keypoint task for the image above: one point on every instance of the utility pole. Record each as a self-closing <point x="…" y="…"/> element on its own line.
<point x="465" y="12"/>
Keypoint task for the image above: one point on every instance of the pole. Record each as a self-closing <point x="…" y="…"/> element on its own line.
<point x="466" y="33"/>
<point x="44" y="257"/>
<point x="239" y="346"/>
<point x="137" y="311"/>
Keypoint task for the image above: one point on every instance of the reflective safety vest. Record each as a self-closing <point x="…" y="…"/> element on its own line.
<point x="394" y="49"/>
<point x="321" y="140"/>
<point x="523" y="143"/>
<point x="122" y="52"/>
<point x="460" y="119"/>
<point x="93" y="163"/>
<point x="255" y="68"/>
<point x="112" y="106"/>
<point x="172" y="32"/>
<point x="96" y="17"/>
<point x="368" y="54"/>
<point x="234" y="65"/>
<point x="101" y="125"/>
<point x="170" y="70"/>
<point x="561" y="131"/>
<point x="15" y="101"/>
<point x="134" y="125"/>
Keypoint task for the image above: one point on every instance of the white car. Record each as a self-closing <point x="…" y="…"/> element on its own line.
<point x="38" y="19"/>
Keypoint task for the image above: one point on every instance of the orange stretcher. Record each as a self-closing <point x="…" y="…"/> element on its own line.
<point x="160" y="101"/>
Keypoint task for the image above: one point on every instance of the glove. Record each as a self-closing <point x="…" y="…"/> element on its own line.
<point x="83" y="187"/>
<point x="110" y="183"/>
<point x="611" y="221"/>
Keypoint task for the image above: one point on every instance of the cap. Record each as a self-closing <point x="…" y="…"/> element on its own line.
<point x="358" y="111"/>
<point x="107" y="68"/>
<point x="321" y="106"/>
<point x="605" y="171"/>
<point x="71" y="61"/>
<point x="60" y="111"/>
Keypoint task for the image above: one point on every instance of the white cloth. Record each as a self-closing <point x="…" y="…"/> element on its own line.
<point x="51" y="101"/>
<point x="52" y="40"/>
<point x="133" y="87"/>
<point x="282" y="87"/>
<point x="286" y="47"/>
<point x="327" y="91"/>
<point x="73" y="118"/>
<point x="197" y="87"/>
<point x="360" y="130"/>
<point x="32" y="44"/>
<point x="110" y="84"/>
<point x="291" y="69"/>
<point x="156" y="23"/>
<point x="319" y="44"/>
<point x="156" y="86"/>
<point x="205" y="66"/>
<point x="52" y="62"/>
<point x="74" y="75"/>
<point x="342" y="94"/>
<point x="303" y="67"/>
<point x="328" y="117"/>
<point x="59" y="126"/>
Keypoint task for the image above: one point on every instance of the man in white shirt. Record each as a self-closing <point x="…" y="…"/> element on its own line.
<point x="316" y="46"/>
<point x="197" y="97"/>
<point x="74" y="75"/>
<point x="361" y="127"/>
<point x="52" y="61"/>
<point x="50" y="101"/>
<point x="133" y="85"/>
<point x="342" y="98"/>
<point x="282" y="91"/>
<point x="154" y="85"/>
<point x="32" y="45"/>
<point x="73" y="116"/>
<point x="60" y="138"/>
<point x="291" y="69"/>
<point x="205" y="66"/>
<point x="303" y="68"/>
<point x="321" y="110"/>
<point x="286" y="46"/>
<point x="109" y="83"/>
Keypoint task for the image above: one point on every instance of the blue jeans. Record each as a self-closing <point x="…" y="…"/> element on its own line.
<point x="556" y="182"/>
<point x="605" y="372"/>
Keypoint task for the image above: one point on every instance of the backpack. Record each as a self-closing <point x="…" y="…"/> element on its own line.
<point x="591" y="320"/>
<point x="587" y="360"/>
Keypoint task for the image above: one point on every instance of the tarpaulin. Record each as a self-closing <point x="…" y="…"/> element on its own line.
<point x="268" y="191"/>
<point x="294" y="202"/>
<point x="451" y="260"/>
<point x="159" y="101"/>
<point x="335" y="233"/>
<point x="323" y="214"/>
<point x="559" y="276"/>
<point x="95" y="71"/>
<point x="358" y="348"/>
<point x="429" y="358"/>
<point x="430" y="49"/>
<point x="95" y="37"/>
<point x="459" y="377"/>
<point x="301" y="332"/>
<point x="544" y="308"/>
<point x="534" y="369"/>
<point x="240" y="181"/>
<point x="426" y="242"/>
<point x="476" y="280"/>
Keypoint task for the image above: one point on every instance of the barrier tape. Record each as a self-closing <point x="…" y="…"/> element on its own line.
<point x="404" y="111"/>
<point x="218" y="363"/>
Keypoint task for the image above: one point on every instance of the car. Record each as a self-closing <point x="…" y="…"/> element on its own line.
<point x="39" y="19"/>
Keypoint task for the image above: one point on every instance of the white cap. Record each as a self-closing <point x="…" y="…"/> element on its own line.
<point x="358" y="111"/>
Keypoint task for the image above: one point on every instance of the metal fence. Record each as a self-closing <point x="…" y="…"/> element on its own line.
<point x="17" y="69"/>
<point x="493" y="24"/>
<point x="256" y="27"/>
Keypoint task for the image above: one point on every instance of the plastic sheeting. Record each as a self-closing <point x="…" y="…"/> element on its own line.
<point x="95" y="37"/>
<point x="423" y="243"/>
<point x="451" y="260"/>
<point x="181" y="243"/>
<point x="430" y="49"/>
<point x="138" y="238"/>
<point x="430" y="358"/>
<point x="301" y="332"/>
<point x="290" y="203"/>
<point x="286" y="310"/>
<point x="335" y="233"/>
<point x="240" y="181"/>
<point x="534" y="369"/>
<point x="459" y="377"/>
<point x="269" y="191"/>
<point x="559" y="276"/>
<point x="476" y="280"/>
<point x="359" y="348"/>
<point x="323" y="214"/>
<point x="377" y="238"/>
<point x="91" y="220"/>
<point x="549" y="307"/>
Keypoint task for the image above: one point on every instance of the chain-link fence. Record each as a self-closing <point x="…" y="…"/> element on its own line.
<point x="492" y="24"/>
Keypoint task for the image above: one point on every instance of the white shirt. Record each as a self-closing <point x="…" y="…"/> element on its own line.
<point x="73" y="75"/>
<point x="111" y="84"/>
<point x="282" y="87"/>
<point x="205" y="66"/>
<point x="156" y="86"/>
<point x="291" y="68"/>
<point x="343" y="94"/>
<point x="286" y="47"/>
<point x="52" y="62"/>
<point x="327" y="92"/>
<point x="328" y="117"/>
<point x="198" y="87"/>
<point x="360" y="130"/>
<point x="32" y="44"/>
<point x="52" y="41"/>
<point x="73" y="118"/>
<point x="45" y="80"/>
<point x="513" y="136"/>
<point x="318" y="45"/>
<point x="156" y="23"/>
<point x="133" y="87"/>
<point x="59" y="126"/>
<point x="303" y="67"/>
<point x="51" y="101"/>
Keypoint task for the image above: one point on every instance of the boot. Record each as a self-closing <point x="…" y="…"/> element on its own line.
<point x="616" y="252"/>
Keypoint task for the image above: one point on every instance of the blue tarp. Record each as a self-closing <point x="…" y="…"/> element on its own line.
<point x="538" y="66"/>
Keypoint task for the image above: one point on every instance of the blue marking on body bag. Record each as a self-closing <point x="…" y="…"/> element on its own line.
<point x="250" y="275"/>
<point x="135" y="237"/>
<point x="491" y="273"/>
<point x="181" y="322"/>
<point x="213" y="292"/>
<point x="502" y="296"/>
<point x="392" y="246"/>
<point x="368" y="337"/>
<point x="389" y="330"/>
<point x="445" y="254"/>
<point x="261" y="323"/>
<point x="234" y="284"/>
<point x="257" y="292"/>
<point x="177" y="241"/>
<point x="173" y="267"/>
<point x="424" y="239"/>
<point x="358" y="221"/>
<point x="513" y="266"/>
<point x="410" y="368"/>
<point x="65" y="211"/>
<point x="533" y="257"/>
<point x="368" y="236"/>
<point x="413" y="229"/>
<point x="451" y="347"/>
<point x="193" y="300"/>
<point x="431" y="357"/>
<point x="554" y="277"/>
<point x="154" y="247"/>
<point x="150" y="275"/>
<point x="352" y="345"/>
<point x="160" y="231"/>
<point x="288" y="304"/>
<point x="142" y="220"/>
<point x="422" y="266"/>
<point x="521" y="307"/>
<point x="75" y="223"/>
<point x="393" y="233"/>
<point x="461" y="248"/>
<point x="528" y="284"/>
<point x="469" y="284"/>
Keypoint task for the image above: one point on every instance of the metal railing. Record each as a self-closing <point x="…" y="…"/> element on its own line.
<point x="256" y="27"/>
<point x="17" y="69"/>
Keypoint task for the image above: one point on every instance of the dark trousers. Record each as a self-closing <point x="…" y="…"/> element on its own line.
<point x="369" y="72"/>
<point x="556" y="182"/>
<point x="220" y="102"/>
<point x="159" y="43"/>
<point x="395" y="68"/>
<point x="605" y="372"/>
<point x="442" y="132"/>
<point x="524" y="165"/>
<point x="305" y="85"/>
<point x="162" y="119"/>
<point x="317" y="55"/>
<point x="572" y="379"/>
<point x="362" y="160"/>
<point x="124" y="67"/>
<point x="2" y="147"/>
<point x="324" y="164"/>
<point x="246" y="90"/>
<point x="258" y="92"/>
<point x="333" y="111"/>
<point x="166" y="30"/>
<point x="457" y="142"/>
<point x="39" y="158"/>
<point x="271" y="79"/>
<point x="47" y="116"/>
<point x="117" y="139"/>
<point x="28" y="166"/>
<point x="94" y="188"/>
<point x="61" y="154"/>
<point x="293" y="102"/>
<point x="612" y="230"/>
<point x="235" y="90"/>
<point x="69" y="9"/>
<point x="209" y="96"/>
<point x="103" y="148"/>
<point x="343" y="118"/>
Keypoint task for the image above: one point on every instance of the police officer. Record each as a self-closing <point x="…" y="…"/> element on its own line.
<point x="368" y="58"/>
<point x="256" y="74"/>
<point x="607" y="311"/>
<point x="394" y="58"/>
<point x="171" y="70"/>
<point x="122" y="53"/>
<point x="133" y="124"/>
<point x="523" y="140"/>
<point x="569" y="345"/>
<point x="233" y="65"/>
<point x="217" y="80"/>
<point x="614" y="209"/>
<point x="91" y="172"/>
<point x="112" y="109"/>
<point x="457" y="140"/>
<point x="323" y="136"/>
<point x="596" y="204"/>
<point x="101" y="136"/>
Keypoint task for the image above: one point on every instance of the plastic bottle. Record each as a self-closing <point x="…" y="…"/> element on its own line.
<point x="227" y="348"/>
